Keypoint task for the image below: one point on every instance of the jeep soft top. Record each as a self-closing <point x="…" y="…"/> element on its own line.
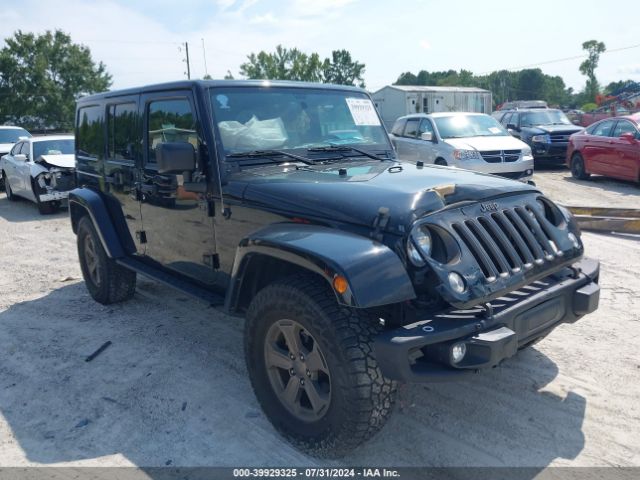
<point x="285" y="203"/>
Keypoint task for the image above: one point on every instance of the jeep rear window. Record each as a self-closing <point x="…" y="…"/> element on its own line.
<point x="265" y="118"/>
<point x="90" y="132"/>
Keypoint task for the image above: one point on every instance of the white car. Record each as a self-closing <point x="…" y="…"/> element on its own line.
<point x="473" y="141"/>
<point x="40" y="169"/>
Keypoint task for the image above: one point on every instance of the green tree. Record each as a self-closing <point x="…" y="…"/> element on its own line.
<point x="342" y="69"/>
<point x="588" y="67"/>
<point x="292" y="64"/>
<point x="42" y="75"/>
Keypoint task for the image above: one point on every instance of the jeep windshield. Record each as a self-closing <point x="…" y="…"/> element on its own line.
<point x="544" y="117"/>
<point x="462" y="126"/>
<point x="272" y="119"/>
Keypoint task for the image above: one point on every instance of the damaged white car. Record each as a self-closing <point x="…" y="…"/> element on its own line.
<point x="40" y="169"/>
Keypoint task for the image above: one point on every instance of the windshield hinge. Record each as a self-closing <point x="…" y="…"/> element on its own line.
<point x="380" y="223"/>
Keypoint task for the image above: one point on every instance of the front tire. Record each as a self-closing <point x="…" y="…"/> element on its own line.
<point x="578" y="170"/>
<point x="106" y="281"/>
<point x="312" y="367"/>
<point x="7" y="187"/>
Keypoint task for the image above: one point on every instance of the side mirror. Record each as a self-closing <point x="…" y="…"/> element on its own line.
<point x="427" y="136"/>
<point x="629" y="137"/>
<point x="511" y="126"/>
<point x="175" y="157"/>
<point x="20" y="157"/>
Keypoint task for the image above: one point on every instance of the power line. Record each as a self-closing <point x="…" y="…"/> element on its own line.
<point x="559" y="60"/>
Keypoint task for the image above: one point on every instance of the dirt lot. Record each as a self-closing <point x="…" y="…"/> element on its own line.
<point x="172" y="388"/>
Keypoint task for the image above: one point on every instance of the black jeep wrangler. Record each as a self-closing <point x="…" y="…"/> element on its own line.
<point x="284" y="203"/>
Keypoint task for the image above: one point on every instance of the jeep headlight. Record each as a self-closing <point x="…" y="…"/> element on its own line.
<point x="461" y="154"/>
<point x="541" y="138"/>
<point x="419" y="245"/>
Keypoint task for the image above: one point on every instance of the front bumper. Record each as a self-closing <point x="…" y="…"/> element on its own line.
<point x="420" y="352"/>
<point x="522" y="169"/>
<point x="549" y="151"/>
<point x="52" y="196"/>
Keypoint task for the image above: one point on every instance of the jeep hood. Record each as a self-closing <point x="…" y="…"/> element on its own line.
<point x="355" y="197"/>
<point x="503" y="142"/>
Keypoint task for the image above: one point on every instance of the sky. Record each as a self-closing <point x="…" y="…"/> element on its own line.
<point x="142" y="42"/>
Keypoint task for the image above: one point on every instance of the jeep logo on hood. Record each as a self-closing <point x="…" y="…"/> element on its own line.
<point x="489" y="207"/>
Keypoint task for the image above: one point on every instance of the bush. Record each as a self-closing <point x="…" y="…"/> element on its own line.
<point x="589" y="107"/>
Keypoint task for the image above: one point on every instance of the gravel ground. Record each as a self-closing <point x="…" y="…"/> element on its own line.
<point x="172" y="388"/>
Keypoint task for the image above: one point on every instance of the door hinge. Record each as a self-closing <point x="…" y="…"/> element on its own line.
<point x="211" y="260"/>
<point x="141" y="235"/>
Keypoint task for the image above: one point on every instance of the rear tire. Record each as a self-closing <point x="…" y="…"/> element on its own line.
<point x="578" y="170"/>
<point x="106" y="281"/>
<point x="339" y="369"/>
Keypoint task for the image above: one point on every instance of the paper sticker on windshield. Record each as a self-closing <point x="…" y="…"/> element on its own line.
<point x="494" y="130"/>
<point x="363" y="112"/>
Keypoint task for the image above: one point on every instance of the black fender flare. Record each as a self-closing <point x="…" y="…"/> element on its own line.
<point x="375" y="274"/>
<point x="116" y="244"/>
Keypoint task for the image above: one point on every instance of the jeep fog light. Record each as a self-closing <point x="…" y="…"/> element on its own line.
<point x="458" y="351"/>
<point x="456" y="282"/>
<point x="574" y="240"/>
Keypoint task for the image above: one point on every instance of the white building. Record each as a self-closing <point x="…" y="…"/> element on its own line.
<point x="394" y="101"/>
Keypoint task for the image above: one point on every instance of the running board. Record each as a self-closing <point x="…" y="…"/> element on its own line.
<point x="184" y="286"/>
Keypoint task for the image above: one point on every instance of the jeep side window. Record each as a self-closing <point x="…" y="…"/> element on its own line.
<point x="121" y="131"/>
<point x="411" y="130"/>
<point x="170" y="121"/>
<point x="90" y="134"/>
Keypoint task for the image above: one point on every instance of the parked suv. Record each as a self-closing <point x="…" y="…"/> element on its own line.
<point x="474" y="141"/>
<point x="545" y="130"/>
<point x="284" y="202"/>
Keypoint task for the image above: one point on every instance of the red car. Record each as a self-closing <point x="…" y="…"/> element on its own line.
<point x="609" y="147"/>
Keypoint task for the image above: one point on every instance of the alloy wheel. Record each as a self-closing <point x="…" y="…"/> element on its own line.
<point x="297" y="370"/>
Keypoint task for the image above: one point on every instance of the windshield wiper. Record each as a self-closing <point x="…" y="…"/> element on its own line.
<point x="347" y="148"/>
<point x="270" y="154"/>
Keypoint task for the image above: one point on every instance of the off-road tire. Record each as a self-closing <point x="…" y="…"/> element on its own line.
<point x="361" y="398"/>
<point x="7" y="188"/>
<point x="577" y="168"/>
<point x="115" y="283"/>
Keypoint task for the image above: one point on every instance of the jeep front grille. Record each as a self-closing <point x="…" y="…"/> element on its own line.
<point x="508" y="240"/>
<point x="499" y="156"/>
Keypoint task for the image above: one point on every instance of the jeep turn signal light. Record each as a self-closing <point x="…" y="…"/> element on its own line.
<point x="340" y="284"/>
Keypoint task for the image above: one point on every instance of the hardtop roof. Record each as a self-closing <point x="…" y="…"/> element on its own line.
<point x="189" y="84"/>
